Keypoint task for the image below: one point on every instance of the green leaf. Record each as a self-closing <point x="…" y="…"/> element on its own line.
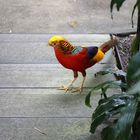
<point x="137" y="74"/>
<point x="135" y="45"/>
<point x="97" y="122"/>
<point x="121" y="129"/>
<point x="114" y="101"/>
<point x="112" y="71"/>
<point x="104" y="89"/>
<point x="87" y="100"/>
<point x="104" y="86"/>
<point x="133" y="68"/>
<point x="135" y="89"/>
<point x="134" y="8"/>
<point x="109" y="84"/>
<point x="118" y="4"/>
<point x="107" y="108"/>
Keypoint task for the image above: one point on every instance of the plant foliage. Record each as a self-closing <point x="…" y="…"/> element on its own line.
<point x="123" y="107"/>
<point x="135" y="44"/>
<point x="137" y="5"/>
<point x="118" y="4"/>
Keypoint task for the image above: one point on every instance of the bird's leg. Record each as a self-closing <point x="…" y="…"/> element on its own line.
<point x="80" y="89"/>
<point x="66" y="88"/>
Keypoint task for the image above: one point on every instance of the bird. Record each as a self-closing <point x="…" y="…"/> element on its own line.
<point x="78" y="58"/>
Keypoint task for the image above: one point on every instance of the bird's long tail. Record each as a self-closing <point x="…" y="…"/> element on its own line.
<point x="108" y="45"/>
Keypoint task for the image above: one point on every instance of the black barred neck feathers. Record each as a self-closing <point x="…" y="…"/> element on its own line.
<point x="66" y="47"/>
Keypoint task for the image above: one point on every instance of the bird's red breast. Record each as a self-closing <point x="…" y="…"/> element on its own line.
<point x="81" y="60"/>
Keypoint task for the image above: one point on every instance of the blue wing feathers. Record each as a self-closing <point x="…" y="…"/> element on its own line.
<point x="92" y="51"/>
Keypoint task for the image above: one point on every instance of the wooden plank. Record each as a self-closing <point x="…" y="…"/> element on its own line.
<point x="26" y="53"/>
<point x="42" y="103"/>
<point x="47" y="76"/>
<point x="33" y="48"/>
<point x="45" y="37"/>
<point x="34" y="52"/>
<point x="30" y="53"/>
<point x="47" y="103"/>
<point x="44" y="67"/>
<point x="60" y="128"/>
<point x="29" y="97"/>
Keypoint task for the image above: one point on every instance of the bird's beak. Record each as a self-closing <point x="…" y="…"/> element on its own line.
<point x="47" y="45"/>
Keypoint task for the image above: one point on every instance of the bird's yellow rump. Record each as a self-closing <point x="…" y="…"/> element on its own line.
<point x="99" y="56"/>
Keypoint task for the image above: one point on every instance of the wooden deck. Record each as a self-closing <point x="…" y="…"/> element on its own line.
<point x="29" y="99"/>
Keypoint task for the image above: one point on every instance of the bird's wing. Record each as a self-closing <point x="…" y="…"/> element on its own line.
<point x="92" y="51"/>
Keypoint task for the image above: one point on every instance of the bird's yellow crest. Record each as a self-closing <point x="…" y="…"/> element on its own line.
<point x="56" y="38"/>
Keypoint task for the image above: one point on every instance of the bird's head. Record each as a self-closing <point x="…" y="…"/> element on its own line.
<point x="56" y="40"/>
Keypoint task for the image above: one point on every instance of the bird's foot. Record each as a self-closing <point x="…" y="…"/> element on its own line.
<point x="65" y="88"/>
<point x="79" y="89"/>
<point x="70" y="88"/>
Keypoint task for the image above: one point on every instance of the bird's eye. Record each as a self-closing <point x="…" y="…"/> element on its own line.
<point x="54" y="43"/>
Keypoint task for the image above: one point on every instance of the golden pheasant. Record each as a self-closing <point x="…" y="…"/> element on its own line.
<point x="78" y="58"/>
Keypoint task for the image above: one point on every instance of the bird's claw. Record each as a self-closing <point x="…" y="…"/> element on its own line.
<point x="65" y="88"/>
<point x="73" y="90"/>
<point x="79" y="89"/>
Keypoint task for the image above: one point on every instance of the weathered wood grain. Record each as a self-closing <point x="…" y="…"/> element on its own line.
<point x="13" y="38"/>
<point x="47" y="76"/>
<point x="33" y="48"/>
<point x="29" y="78"/>
<point x="54" y="128"/>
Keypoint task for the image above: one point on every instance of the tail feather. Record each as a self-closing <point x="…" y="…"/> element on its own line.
<point x="108" y="45"/>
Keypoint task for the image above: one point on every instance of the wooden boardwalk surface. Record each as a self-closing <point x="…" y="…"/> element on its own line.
<point x="29" y="99"/>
